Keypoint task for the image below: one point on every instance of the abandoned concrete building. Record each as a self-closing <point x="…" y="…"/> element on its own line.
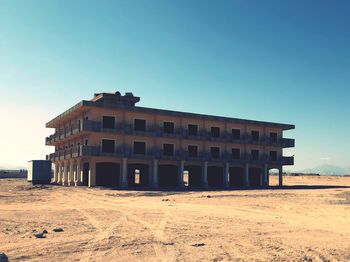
<point x="108" y="141"/>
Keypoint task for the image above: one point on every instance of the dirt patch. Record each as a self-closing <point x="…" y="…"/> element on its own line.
<point x="111" y="225"/>
<point x="344" y="199"/>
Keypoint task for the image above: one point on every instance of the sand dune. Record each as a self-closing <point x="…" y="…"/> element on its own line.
<point x="305" y="223"/>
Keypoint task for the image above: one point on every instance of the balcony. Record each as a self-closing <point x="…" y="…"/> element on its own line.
<point x="50" y="140"/>
<point x="126" y="151"/>
<point x="287" y="160"/>
<point x="248" y="139"/>
<point x="287" y="142"/>
<point x="158" y="131"/>
<point x="224" y="136"/>
<point x="283" y="142"/>
<point x="89" y="125"/>
<point x="284" y="160"/>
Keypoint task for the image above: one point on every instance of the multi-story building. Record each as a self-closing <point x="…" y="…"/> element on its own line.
<point x="108" y="141"/>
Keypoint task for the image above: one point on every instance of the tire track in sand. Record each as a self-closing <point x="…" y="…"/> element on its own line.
<point x="98" y="225"/>
<point x="156" y="230"/>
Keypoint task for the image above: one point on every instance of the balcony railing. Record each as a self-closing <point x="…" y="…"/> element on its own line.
<point x="126" y="151"/>
<point x="157" y="130"/>
<point x="287" y="160"/>
<point x="287" y="142"/>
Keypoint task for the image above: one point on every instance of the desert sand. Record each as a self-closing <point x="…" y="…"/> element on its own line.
<point x="310" y="222"/>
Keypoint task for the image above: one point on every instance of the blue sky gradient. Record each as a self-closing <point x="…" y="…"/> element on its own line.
<point x="282" y="61"/>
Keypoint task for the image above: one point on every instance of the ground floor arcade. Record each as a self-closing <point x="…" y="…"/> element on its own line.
<point x="153" y="173"/>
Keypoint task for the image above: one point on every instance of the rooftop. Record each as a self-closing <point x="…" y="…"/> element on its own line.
<point x="128" y="101"/>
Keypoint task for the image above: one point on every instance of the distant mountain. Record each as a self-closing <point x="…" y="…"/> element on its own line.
<point x="328" y="170"/>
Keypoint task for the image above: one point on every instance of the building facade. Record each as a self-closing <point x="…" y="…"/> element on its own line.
<point x="109" y="141"/>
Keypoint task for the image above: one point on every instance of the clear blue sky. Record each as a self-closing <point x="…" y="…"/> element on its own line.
<point x="283" y="61"/>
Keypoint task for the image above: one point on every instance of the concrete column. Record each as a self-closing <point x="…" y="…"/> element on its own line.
<point x="155" y="173"/>
<point x="60" y="174"/>
<point x="55" y="174"/>
<point x="205" y="175"/>
<point x="65" y="174"/>
<point x="71" y="174"/>
<point x="246" y="177"/>
<point x="124" y="177"/>
<point x="181" y="174"/>
<point x="79" y="175"/>
<point x="227" y="175"/>
<point x="92" y="174"/>
<point x="280" y="176"/>
<point x="266" y="171"/>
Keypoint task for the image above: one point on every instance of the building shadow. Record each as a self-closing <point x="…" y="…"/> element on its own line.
<point x="176" y="190"/>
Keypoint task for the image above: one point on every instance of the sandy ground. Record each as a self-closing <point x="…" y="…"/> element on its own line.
<point x="307" y="223"/>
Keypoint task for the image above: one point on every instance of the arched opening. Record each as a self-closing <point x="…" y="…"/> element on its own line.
<point x="68" y="174"/>
<point x="236" y="176"/>
<point x="255" y="177"/>
<point x="168" y="175"/>
<point x="138" y="175"/>
<point x="75" y="172"/>
<point x="215" y="176"/>
<point x="107" y="174"/>
<point x="194" y="175"/>
<point x="86" y="168"/>
<point x="272" y="177"/>
<point x="186" y="177"/>
<point x="62" y="173"/>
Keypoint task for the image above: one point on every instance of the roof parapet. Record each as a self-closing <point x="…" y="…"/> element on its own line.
<point x="127" y="100"/>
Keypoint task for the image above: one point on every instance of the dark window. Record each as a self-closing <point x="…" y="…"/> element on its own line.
<point x="168" y="127"/>
<point x="255" y="154"/>
<point x="139" y="125"/>
<point x="192" y="151"/>
<point x="79" y="125"/>
<point x="108" y="122"/>
<point x="86" y="142"/>
<point x="108" y="146"/>
<point x="215" y="131"/>
<point x="139" y="148"/>
<point x="193" y="130"/>
<point x="215" y="152"/>
<point x="236" y="153"/>
<point x="168" y="149"/>
<point x="273" y="155"/>
<point x="273" y="137"/>
<point x="236" y="133"/>
<point x="255" y="135"/>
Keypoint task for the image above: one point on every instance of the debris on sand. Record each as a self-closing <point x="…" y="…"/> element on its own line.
<point x="307" y="259"/>
<point x="39" y="235"/>
<point x="208" y="196"/>
<point x="166" y="199"/>
<point x="198" y="245"/>
<point x="3" y="257"/>
<point x="58" y="229"/>
<point x="168" y="243"/>
<point x="45" y="231"/>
